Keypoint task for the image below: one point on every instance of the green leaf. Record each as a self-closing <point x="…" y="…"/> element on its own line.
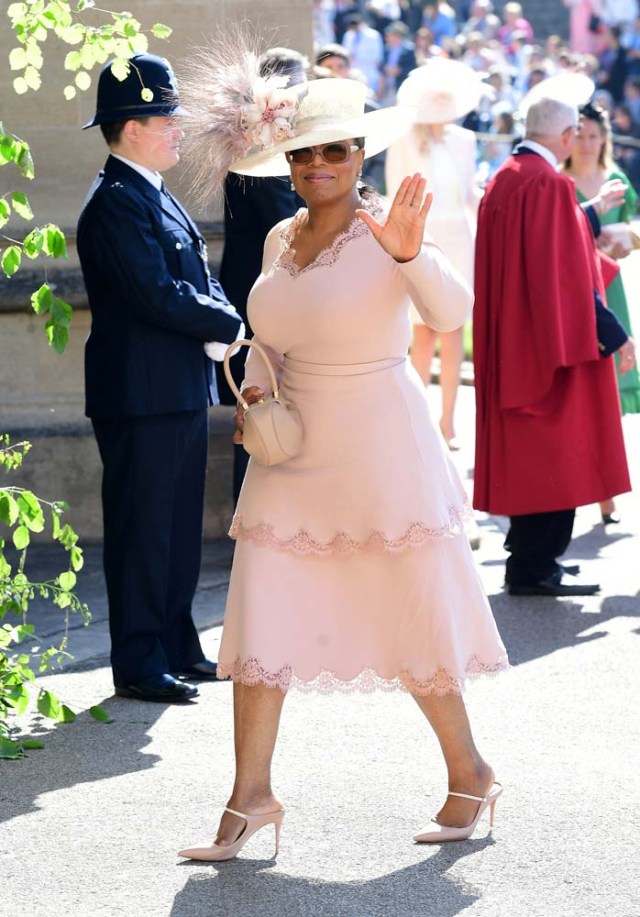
<point x="25" y="161"/>
<point x="42" y="299"/>
<point x="5" y="212"/>
<point x="61" y="312"/>
<point x="161" y="31"/>
<point x="57" y="335"/>
<point x="32" y="245"/>
<point x="17" y="10"/>
<point x="34" y="55"/>
<point x="18" y="59"/>
<point x="20" y="86"/>
<point x="21" y="537"/>
<point x="120" y="69"/>
<point x="9" y="510"/>
<point x="32" y="743"/>
<point x="73" y="61"/>
<point x="100" y="714"/>
<point x="31" y="511"/>
<point x="69" y="93"/>
<point x="32" y="78"/>
<point x="85" y="5"/>
<point x="68" y="537"/>
<point x="87" y="55"/>
<point x="77" y="558"/>
<point x="18" y="697"/>
<point x="55" y="244"/>
<point x="67" y="580"/>
<point x="11" y="258"/>
<point x="66" y="715"/>
<point x="83" y="80"/>
<point x="48" y="704"/>
<point x="9" y="749"/>
<point x="21" y="205"/>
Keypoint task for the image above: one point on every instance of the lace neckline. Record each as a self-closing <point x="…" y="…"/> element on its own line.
<point x="329" y="255"/>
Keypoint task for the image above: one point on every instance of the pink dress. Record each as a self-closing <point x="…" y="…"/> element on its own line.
<point x="351" y="568"/>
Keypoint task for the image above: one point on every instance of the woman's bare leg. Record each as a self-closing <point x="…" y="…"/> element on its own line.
<point x="467" y="770"/>
<point x="256" y="717"/>
<point x="450" y="366"/>
<point x="422" y="350"/>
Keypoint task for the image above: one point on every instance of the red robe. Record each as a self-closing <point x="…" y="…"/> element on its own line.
<point x="549" y="434"/>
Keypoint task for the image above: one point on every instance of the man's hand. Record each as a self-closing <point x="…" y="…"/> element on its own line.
<point x="627" y="355"/>
<point x="250" y="395"/>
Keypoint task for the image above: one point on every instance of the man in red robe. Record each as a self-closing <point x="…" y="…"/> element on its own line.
<point x="549" y="436"/>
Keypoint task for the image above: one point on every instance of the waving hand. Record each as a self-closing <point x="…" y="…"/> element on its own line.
<point x="401" y="233"/>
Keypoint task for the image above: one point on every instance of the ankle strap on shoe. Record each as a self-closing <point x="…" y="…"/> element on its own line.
<point x="233" y="812"/>
<point x="462" y="796"/>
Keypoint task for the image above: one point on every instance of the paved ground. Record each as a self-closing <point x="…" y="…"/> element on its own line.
<point x="91" y="824"/>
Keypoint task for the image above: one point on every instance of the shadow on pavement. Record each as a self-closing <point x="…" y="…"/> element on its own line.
<point x="534" y="627"/>
<point x="82" y="752"/>
<point x="244" y="888"/>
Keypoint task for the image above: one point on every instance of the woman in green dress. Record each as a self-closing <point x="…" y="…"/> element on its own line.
<point x="591" y="165"/>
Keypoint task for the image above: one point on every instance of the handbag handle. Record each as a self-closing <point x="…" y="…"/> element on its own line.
<point x="267" y="362"/>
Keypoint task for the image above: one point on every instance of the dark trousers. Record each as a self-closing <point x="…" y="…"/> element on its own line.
<point x="152" y="499"/>
<point x="534" y="541"/>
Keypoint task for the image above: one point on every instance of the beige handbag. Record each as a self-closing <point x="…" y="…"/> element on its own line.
<point x="272" y="427"/>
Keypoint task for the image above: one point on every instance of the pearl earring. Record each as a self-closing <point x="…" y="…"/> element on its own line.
<point x="293" y="187"/>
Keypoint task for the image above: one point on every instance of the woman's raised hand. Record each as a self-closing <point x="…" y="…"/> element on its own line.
<point x="402" y="232"/>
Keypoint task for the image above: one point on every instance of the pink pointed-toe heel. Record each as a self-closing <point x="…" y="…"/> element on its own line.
<point x="253" y="823"/>
<point x="441" y="833"/>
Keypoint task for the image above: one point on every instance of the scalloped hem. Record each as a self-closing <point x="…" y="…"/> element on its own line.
<point x="368" y="681"/>
<point x="415" y="536"/>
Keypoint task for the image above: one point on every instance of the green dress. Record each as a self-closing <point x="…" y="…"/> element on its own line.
<point x="629" y="384"/>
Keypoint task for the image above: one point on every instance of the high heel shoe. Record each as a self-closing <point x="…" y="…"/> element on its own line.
<point x="216" y="852"/>
<point x="442" y="833"/>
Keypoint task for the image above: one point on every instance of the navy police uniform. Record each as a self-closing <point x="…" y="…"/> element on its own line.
<point x="148" y="387"/>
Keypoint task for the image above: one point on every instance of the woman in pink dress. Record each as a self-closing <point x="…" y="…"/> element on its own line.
<point x="351" y="569"/>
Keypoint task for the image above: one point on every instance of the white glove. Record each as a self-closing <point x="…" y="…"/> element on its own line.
<point x="216" y="351"/>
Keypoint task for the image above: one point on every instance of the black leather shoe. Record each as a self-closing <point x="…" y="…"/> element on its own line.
<point x="162" y="688"/>
<point x="571" y="569"/>
<point x="206" y="670"/>
<point x="554" y="587"/>
<point x="611" y="518"/>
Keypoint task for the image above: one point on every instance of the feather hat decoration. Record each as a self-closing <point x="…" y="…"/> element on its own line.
<point x="230" y="110"/>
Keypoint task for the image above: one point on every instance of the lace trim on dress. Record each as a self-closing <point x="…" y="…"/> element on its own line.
<point x="417" y="534"/>
<point x="329" y="255"/>
<point x="440" y="683"/>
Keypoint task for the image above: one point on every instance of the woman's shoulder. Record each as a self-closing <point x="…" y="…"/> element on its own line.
<point x="283" y="229"/>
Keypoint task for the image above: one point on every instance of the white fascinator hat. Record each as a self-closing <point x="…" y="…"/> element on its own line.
<point x="571" y="88"/>
<point x="441" y="91"/>
<point x="237" y="120"/>
<point x="327" y="110"/>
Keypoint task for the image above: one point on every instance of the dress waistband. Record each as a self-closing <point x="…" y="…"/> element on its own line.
<point x="341" y="369"/>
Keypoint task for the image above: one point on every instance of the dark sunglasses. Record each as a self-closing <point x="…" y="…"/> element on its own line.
<point x="330" y="152"/>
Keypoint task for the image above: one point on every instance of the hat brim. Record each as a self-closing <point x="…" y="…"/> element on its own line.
<point x="124" y="114"/>
<point x="570" y="88"/>
<point x="379" y="129"/>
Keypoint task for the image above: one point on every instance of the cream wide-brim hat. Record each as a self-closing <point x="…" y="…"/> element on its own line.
<point x="571" y="88"/>
<point x="440" y="91"/>
<point x="331" y="109"/>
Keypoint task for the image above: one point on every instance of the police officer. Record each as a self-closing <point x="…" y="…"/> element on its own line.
<point x="149" y="382"/>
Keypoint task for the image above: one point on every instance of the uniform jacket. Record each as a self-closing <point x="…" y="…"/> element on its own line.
<point x="548" y="433"/>
<point x="153" y="303"/>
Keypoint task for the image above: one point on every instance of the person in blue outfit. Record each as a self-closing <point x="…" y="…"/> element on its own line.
<point x="149" y="382"/>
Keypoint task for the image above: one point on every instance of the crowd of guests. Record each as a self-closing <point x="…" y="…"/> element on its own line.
<point x="381" y="41"/>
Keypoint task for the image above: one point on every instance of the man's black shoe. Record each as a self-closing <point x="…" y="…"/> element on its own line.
<point x="554" y="587"/>
<point x="200" y="671"/>
<point x="162" y="688"/>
